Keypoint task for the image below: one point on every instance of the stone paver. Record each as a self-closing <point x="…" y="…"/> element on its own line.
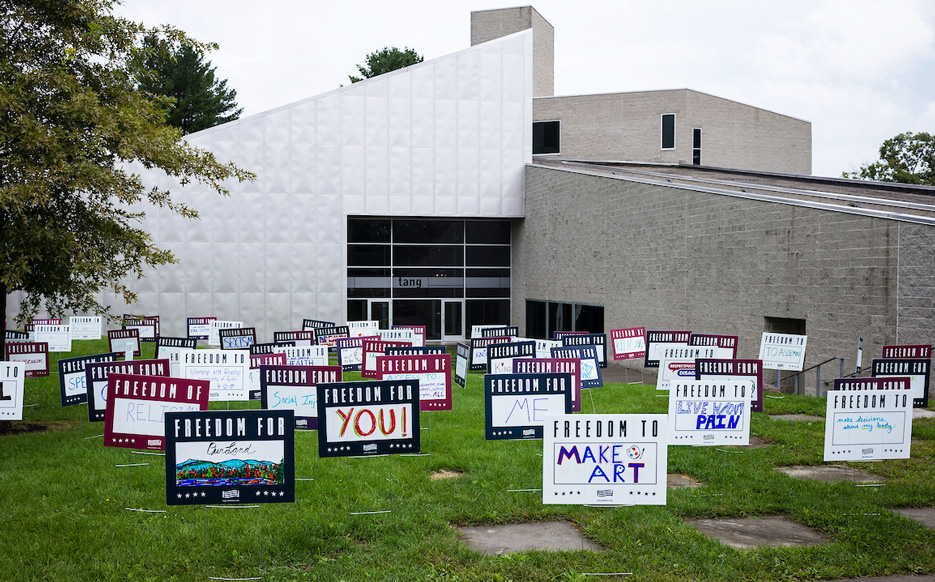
<point x="922" y="413"/>
<point x="830" y="473"/>
<point x="924" y="515"/>
<point x="520" y="537"/>
<point x="775" y="531"/>
<point x="678" y="481"/>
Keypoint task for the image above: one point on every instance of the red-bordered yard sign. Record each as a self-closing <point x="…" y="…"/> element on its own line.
<point x="433" y="372"/>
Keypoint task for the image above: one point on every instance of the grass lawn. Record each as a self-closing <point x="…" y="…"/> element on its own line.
<point x="64" y="497"/>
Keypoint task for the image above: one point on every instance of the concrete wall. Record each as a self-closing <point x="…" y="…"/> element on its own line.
<point x="627" y="127"/>
<point x="669" y="258"/>
<point x="487" y="25"/>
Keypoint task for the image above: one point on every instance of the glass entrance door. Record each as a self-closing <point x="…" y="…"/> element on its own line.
<point x="369" y="309"/>
<point x="452" y="320"/>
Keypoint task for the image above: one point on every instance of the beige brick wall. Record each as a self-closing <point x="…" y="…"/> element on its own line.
<point x="488" y="25"/>
<point x="627" y="127"/>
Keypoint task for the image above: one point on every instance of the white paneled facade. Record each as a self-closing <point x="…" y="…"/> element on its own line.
<point x="445" y="138"/>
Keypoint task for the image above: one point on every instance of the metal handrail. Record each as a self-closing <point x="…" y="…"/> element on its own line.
<point x="816" y="367"/>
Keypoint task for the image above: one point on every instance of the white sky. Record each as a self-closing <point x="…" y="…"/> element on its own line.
<point x="860" y="71"/>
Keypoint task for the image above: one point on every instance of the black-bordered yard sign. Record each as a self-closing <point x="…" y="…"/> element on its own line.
<point x="72" y="379"/>
<point x="500" y="357"/>
<point x="308" y="324"/>
<point x="656" y="341"/>
<point x="590" y="369"/>
<point x="731" y="371"/>
<point x="299" y="338"/>
<point x="328" y="336"/>
<point x="506" y="330"/>
<point x="137" y="405"/>
<point x="12" y="335"/>
<point x="124" y="340"/>
<point x="515" y="405"/>
<point x="726" y="344"/>
<point x="253" y="375"/>
<point x="462" y="358"/>
<point x="368" y="418"/>
<point x="34" y="355"/>
<point x="172" y="348"/>
<point x="432" y="371"/>
<point x="198" y="328"/>
<point x="97" y="375"/>
<point x="598" y="340"/>
<point x="917" y="369"/>
<point x="371" y="350"/>
<point x="628" y="343"/>
<point x="295" y="388"/>
<point x="230" y="456"/>
<point x="415" y="350"/>
<point x="237" y="338"/>
<point x="418" y="331"/>
<point x="554" y="366"/>
<point x="147" y="324"/>
<point x="351" y="352"/>
<point x="479" y="347"/>
<point x="270" y="348"/>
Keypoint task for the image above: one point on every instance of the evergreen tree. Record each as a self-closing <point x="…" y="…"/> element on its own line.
<point x="385" y="60"/>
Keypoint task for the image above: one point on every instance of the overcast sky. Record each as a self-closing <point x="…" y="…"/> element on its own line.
<point x="860" y="71"/>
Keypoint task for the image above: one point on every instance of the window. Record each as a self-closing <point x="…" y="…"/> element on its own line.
<point x="696" y="146"/>
<point x="546" y="137"/>
<point x="668" y="131"/>
<point x="543" y="319"/>
<point x="784" y="325"/>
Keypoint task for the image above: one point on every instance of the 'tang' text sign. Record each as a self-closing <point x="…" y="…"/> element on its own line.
<point x="368" y="418"/>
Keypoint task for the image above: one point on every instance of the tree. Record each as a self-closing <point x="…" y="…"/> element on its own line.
<point x="179" y="71"/>
<point x="908" y="158"/>
<point x="71" y="123"/>
<point x="386" y="60"/>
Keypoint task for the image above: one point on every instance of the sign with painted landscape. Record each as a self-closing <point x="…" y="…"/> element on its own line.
<point x="657" y="341"/>
<point x="98" y="374"/>
<point x="329" y="336"/>
<point x="215" y="325"/>
<point x="462" y="357"/>
<point x="479" y="347"/>
<point x="628" y="343"/>
<point x="230" y="456"/>
<point x="604" y="459"/>
<point x="310" y="324"/>
<point x="515" y="405"/>
<point x="418" y="330"/>
<point x="917" y="369"/>
<point x="226" y="370"/>
<point x="85" y="327"/>
<point x="783" y="351"/>
<point x="725" y="345"/>
<point x="238" y="338"/>
<point x="717" y="371"/>
<point x="554" y="366"/>
<point x="432" y="371"/>
<point x="172" y="348"/>
<point x="598" y="340"/>
<point x="198" y="328"/>
<point x="351" y="352"/>
<point x="908" y="351"/>
<point x="12" y="389"/>
<point x="704" y="413"/>
<point x="73" y="379"/>
<point x="137" y="405"/>
<point x="298" y="338"/>
<point x="33" y="355"/>
<point x="124" y="340"/>
<point x="500" y="357"/>
<point x="295" y="388"/>
<point x="590" y="370"/>
<point x="868" y="425"/>
<point x="372" y="349"/>
<point x="679" y="363"/>
<point x="368" y="418"/>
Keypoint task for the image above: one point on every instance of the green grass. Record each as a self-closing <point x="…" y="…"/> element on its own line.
<point x="64" y="503"/>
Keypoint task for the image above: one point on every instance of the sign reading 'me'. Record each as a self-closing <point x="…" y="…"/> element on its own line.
<point x="783" y="351"/>
<point x="433" y="372"/>
<point x="295" y="388"/>
<point x="515" y="405"/>
<point x="868" y="425"/>
<point x="598" y="340"/>
<point x="72" y="379"/>
<point x="172" y="348"/>
<point x="479" y="347"/>
<point x="12" y="389"/>
<point x="34" y="355"/>
<point x="237" y="338"/>
<point x="917" y="369"/>
<point x="628" y="343"/>
<point x="462" y="357"/>
<point x="137" y="405"/>
<point x="368" y="418"/>
<point x="84" y="327"/>
<point x="554" y="366"/>
<point x="98" y="374"/>
<point x="199" y="328"/>
<point x="124" y="340"/>
<point x="715" y="371"/>
<point x="351" y="352"/>
<point x="590" y="370"/>
<point x="704" y="413"/>
<point x="657" y="341"/>
<point x="604" y="459"/>
<point x="226" y="370"/>
<point x="500" y="357"/>
<point x="230" y="456"/>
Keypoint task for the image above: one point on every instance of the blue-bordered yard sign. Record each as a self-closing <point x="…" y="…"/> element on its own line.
<point x="230" y="456"/>
<point x="479" y="347"/>
<point x="515" y="405"/>
<point x="295" y="388"/>
<point x="351" y="352"/>
<point x="590" y="369"/>
<point x="554" y="366"/>
<point x="72" y="380"/>
<point x="598" y="340"/>
<point x="368" y="418"/>
<point x="500" y="356"/>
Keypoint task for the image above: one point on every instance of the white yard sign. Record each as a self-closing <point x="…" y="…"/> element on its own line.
<point x="868" y="425"/>
<point x="783" y="351"/>
<point x="709" y="413"/>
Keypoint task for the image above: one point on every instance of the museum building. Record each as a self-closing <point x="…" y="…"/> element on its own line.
<point x="460" y="191"/>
